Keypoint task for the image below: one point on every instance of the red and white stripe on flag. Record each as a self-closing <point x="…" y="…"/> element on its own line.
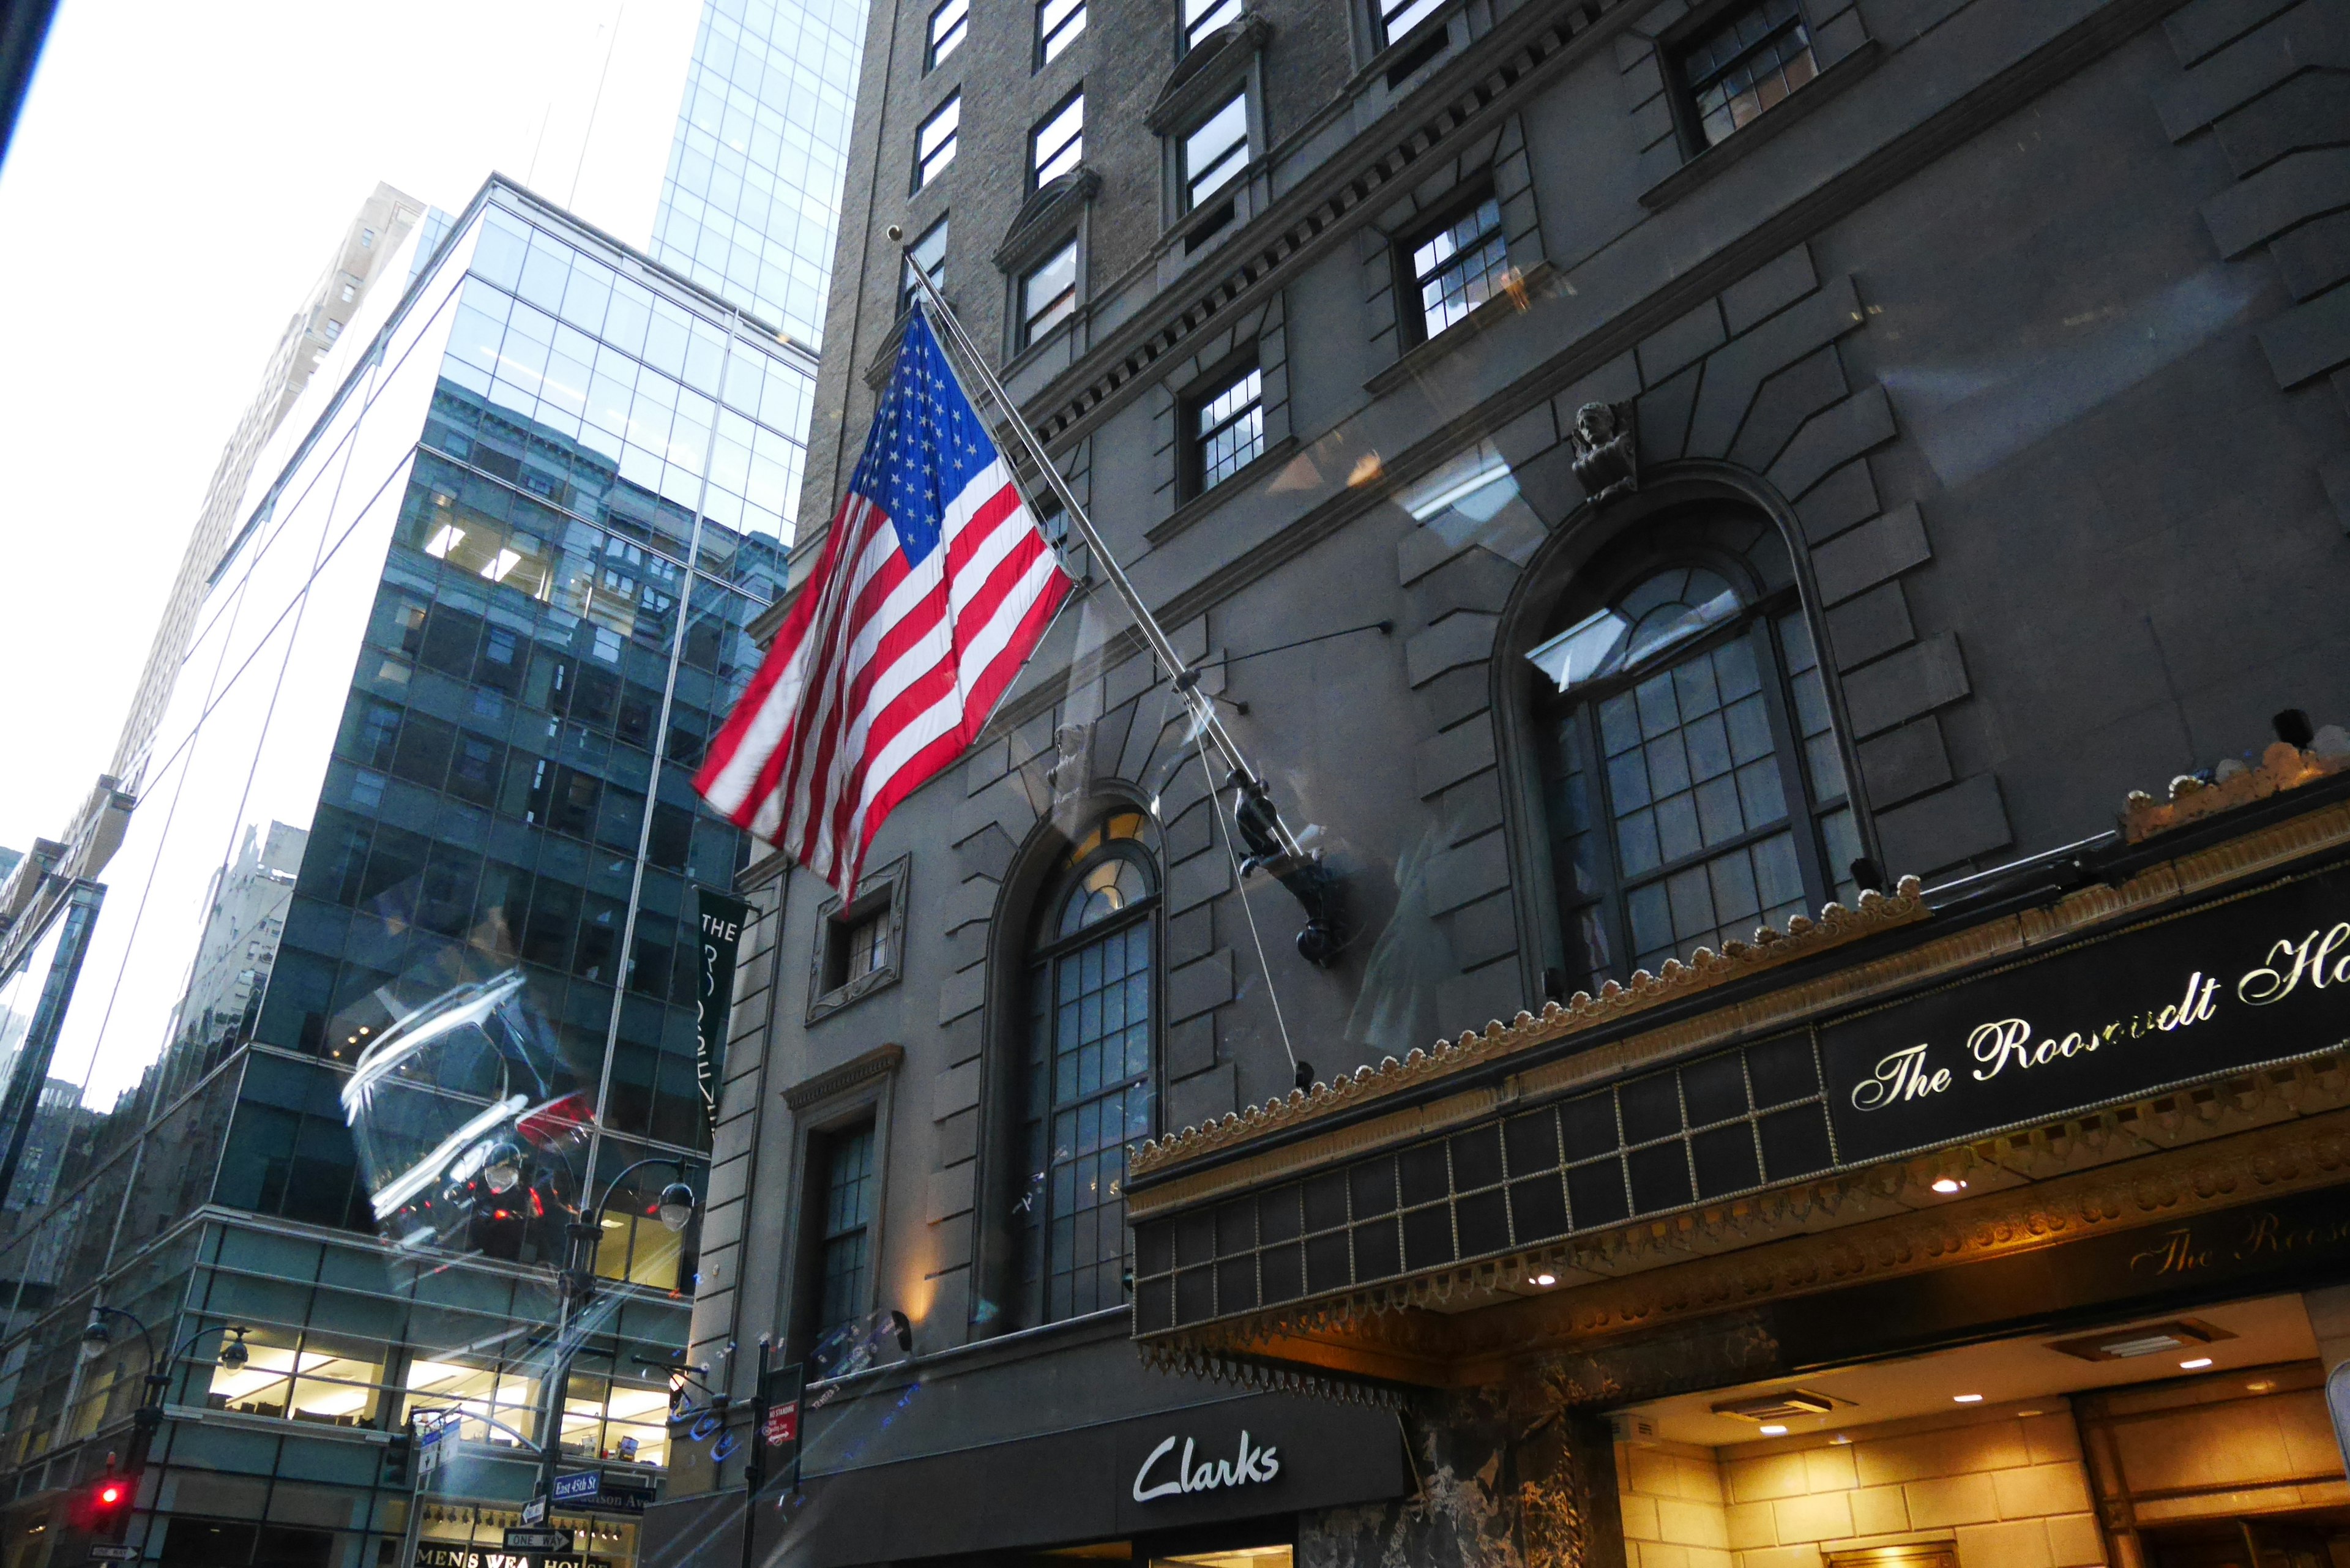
<point x="933" y="589"/>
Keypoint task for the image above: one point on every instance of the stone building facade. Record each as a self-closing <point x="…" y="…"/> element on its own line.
<point x="1627" y="474"/>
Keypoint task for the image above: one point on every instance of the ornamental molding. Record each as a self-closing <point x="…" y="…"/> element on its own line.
<point x="1937" y="957"/>
<point x="1705" y="969"/>
<point x="2284" y="766"/>
<point x="880" y="1061"/>
<point x="1418" y="1330"/>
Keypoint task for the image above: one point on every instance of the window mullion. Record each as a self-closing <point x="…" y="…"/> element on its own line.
<point x="1795" y="781"/>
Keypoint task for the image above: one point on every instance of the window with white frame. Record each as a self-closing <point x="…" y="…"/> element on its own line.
<point x="1216" y="152"/>
<point x="1060" y="24"/>
<point x="949" y="24"/>
<point x="1399" y="18"/>
<point x="927" y="257"/>
<point x="1057" y="145"/>
<point x="1202" y="17"/>
<point x="1225" y="429"/>
<point x="1048" y="293"/>
<point x="934" y="140"/>
<point x="1456" y="267"/>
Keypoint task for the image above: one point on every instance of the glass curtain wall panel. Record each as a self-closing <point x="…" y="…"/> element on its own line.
<point x="411" y="882"/>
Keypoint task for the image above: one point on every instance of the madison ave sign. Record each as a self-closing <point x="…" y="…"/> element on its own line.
<point x="2252" y="980"/>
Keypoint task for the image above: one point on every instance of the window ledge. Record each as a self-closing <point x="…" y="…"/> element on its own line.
<point x="1811" y="94"/>
<point x="1207" y="501"/>
<point x="1503" y="307"/>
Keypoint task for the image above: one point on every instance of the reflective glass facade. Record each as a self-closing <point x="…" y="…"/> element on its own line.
<point x="751" y="203"/>
<point x="411" y="877"/>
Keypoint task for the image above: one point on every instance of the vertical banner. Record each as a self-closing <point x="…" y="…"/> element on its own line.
<point x="723" y="920"/>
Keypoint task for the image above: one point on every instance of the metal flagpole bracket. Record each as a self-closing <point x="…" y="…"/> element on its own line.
<point x="1273" y="847"/>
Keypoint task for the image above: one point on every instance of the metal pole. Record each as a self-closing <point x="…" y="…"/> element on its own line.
<point x="754" y="1470"/>
<point x="409" y="1536"/>
<point x="1186" y="679"/>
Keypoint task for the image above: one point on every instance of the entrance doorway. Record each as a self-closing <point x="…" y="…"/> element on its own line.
<point x="2316" y="1541"/>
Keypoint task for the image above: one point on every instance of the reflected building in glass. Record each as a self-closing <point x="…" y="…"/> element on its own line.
<point x="749" y="205"/>
<point x="394" y="968"/>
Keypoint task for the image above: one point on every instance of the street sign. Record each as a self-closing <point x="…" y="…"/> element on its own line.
<point x="535" y="1510"/>
<point x="131" y="1553"/>
<point x="784" y="1424"/>
<point x="605" y="1491"/>
<point x="578" y="1486"/>
<point x="434" y="1439"/>
<point x="538" y="1540"/>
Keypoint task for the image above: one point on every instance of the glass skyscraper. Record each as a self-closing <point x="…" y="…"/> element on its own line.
<point x="395" y="967"/>
<point x="749" y="206"/>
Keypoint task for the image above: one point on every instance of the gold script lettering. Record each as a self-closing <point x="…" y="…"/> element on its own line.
<point x="2318" y="957"/>
<point x="2176" y="1253"/>
<point x="1901" y="1076"/>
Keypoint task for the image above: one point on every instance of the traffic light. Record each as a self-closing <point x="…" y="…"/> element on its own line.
<point x="104" y="1506"/>
<point x="396" y="1456"/>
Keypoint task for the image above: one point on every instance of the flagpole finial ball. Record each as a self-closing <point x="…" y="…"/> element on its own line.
<point x="897" y="235"/>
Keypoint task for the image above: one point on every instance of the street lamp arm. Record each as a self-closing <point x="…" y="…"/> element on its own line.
<point x="613" y="1186"/>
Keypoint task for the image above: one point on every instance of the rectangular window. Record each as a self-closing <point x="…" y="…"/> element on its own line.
<point x="350" y="292"/>
<point x="934" y="141"/>
<point x="1048" y="294"/>
<point x="866" y="945"/>
<point x="1060" y="24"/>
<point x="1460" y="266"/>
<point x="333" y="330"/>
<point x="843" y="1258"/>
<point x="927" y="257"/>
<point x="1214" y="154"/>
<point x="1227" y="429"/>
<point x="1750" y="63"/>
<point x="1057" y="145"/>
<point x="949" y="23"/>
<point x="367" y="239"/>
<point x="1202" y="17"/>
<point x="1398" y="18"/>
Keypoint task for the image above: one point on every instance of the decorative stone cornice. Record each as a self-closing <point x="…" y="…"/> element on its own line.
<point x="2284" y="766"/>
<point x="874" y="1063"/>
<point x="1705" y="969"/>
<point x="1213" y="61"/>
<point x="1042" y="218"/>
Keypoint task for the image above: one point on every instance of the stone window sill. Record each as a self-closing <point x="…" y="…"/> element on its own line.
<point x="1207" y="501"/>
<point x="1502" y="307"/>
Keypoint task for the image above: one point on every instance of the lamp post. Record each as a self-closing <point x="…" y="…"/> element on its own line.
<point x="576" y="1281"/>
<point x="96" y="1338"/>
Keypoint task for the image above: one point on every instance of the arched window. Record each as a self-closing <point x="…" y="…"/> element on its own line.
<point x="1692" y="778"/>
<point x="1091" y="1080"/>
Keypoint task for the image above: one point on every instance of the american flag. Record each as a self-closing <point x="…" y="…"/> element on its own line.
<point x="934" y="589"/>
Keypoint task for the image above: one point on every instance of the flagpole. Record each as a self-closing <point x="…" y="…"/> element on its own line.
<point x="1271" y="843"/>
<point x="1185" y="678"/>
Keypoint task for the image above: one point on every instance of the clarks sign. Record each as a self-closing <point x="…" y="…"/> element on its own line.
<point x="1162" y="1475"/>
<point x="2256" y="980"/>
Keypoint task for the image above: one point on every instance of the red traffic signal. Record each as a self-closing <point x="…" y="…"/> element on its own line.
<point x="104" y="1506"/>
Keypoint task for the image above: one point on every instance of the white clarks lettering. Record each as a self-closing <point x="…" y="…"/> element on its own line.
<point x="1253" y="1464"/>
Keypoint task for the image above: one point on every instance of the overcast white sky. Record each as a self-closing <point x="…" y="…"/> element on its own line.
<point x="176" y="184"/>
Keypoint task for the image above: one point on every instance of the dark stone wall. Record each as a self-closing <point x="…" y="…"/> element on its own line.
<point x="2021" y="335"/>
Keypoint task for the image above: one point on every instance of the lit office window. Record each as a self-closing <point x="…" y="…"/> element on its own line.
<point x="1058" y="145"/>
<point x="927" y="257"/>
<point x="1216" y="152"/>
<point x="1048" y="294"/>
<point x="1460" y="266"/>
<point x="1398" y="18"/>
<point x="1228" y="429"/>
<point x="845" y="1263"/>
<point x="934" y="141"/>
<point x="949" y="23"/>
<point x="1060" y="24"/>
<point x="1746" y="66"/>
<point x="1202" y="17"/>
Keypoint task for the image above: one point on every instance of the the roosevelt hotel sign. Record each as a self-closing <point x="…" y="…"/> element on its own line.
<point x="2259" y="979"/>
